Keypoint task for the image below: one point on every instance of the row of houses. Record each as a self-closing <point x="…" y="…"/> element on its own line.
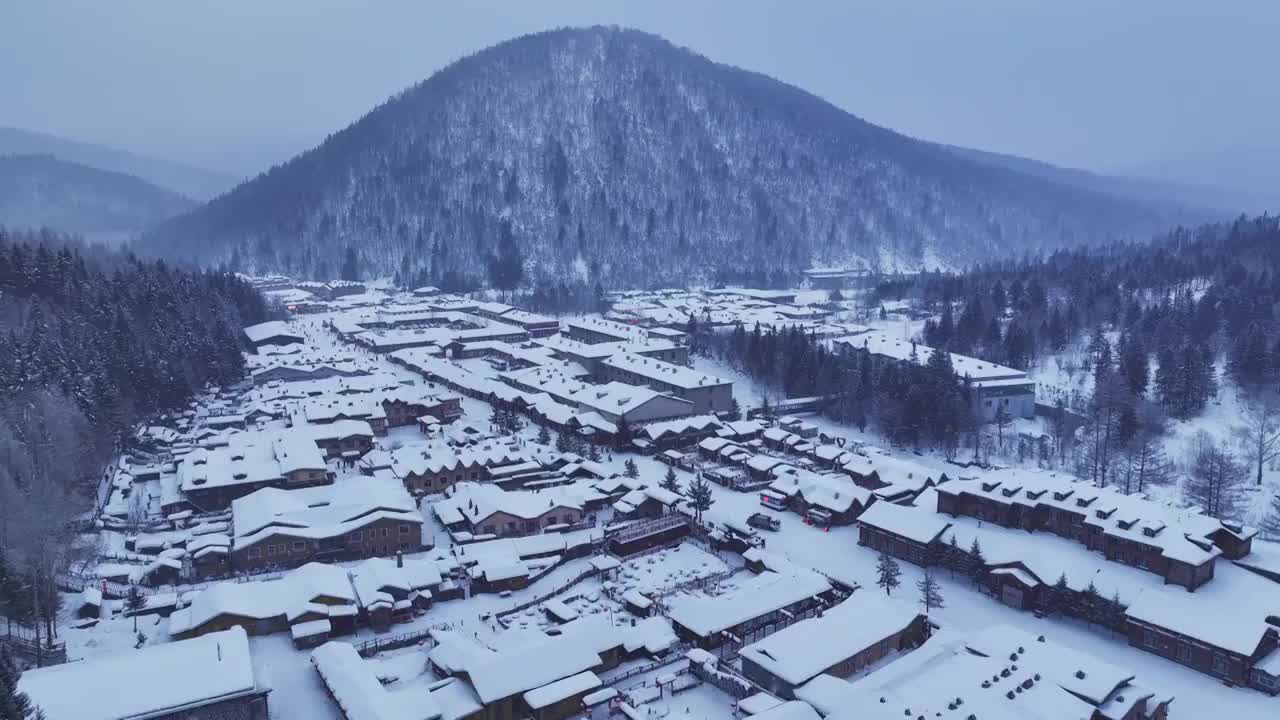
<point x="1179" y="544"/>
<point x="1227" y="629"/>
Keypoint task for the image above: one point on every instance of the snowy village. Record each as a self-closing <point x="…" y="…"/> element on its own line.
<point x="425" y="506"/>
<point x="639" y="360"/>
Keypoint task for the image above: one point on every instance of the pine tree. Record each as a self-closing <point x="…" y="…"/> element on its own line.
<point x="735" y="411"/>
<point x="564" y="442"/>
<point x="977" y="565"/>
<point x="669" y="481"/>
<point x="888" y="573"/>
<point x="956" y="558"/>
<point x="629" y="469"/>
<point x="1271" y="521"/>
<point x="593" y="452"/>
<point x="1250" y="361"/>
<point x="1134" y="365"/>
<point x="1091" y="601"/>
<point x="14" y="704"/>
<point x="134" y="602"/>
<point x="930" y="593"/>
<point x="700" y="496"/>
<point x="1057" y="599"/>
<point x="544" y="435"/>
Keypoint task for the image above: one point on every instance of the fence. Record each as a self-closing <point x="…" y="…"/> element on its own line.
<point x="378" y="644"/>
<point x="675" y="655"/>
<point x="646" y="528"/>
<point x="731" y="683"/>
<point x="75" y="583"/>
<point x="547" y="596"/>
<point x="40" y="651"/>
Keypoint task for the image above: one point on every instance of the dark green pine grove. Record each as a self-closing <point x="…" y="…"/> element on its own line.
<point x="93" y="342"/>
<point x="120" y="337"/>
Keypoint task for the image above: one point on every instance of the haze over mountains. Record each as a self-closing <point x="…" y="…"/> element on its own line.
<point x="194" y="182"/>
<point x="44" y="191"/>
<point x="613" y="155"/>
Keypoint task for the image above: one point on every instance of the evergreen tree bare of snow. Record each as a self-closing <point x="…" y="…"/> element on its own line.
<point x="930" y="593"/>
<point x="134" y="602"/>
<point x="1271" y="520"/>
<point x="977" y="562"/>
<point x="669" y="481"/>
<point x="888" y="573"/>
<point x="700" y="496"/>
<point x="14" y="704"/>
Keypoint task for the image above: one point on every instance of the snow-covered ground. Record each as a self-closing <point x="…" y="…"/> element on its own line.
<point x="298" y="691"/>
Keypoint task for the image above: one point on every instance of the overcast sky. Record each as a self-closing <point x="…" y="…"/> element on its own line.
<point x="1101" y="84"/>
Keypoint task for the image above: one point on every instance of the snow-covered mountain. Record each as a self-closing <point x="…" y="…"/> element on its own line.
<point x="613" y="155"/>
<point x="41" y="190"/>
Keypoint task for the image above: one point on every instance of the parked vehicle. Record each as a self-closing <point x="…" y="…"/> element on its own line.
<point x="819" y="518"/>
<point x="773" y="502"/>
<point x="764" y="522"/>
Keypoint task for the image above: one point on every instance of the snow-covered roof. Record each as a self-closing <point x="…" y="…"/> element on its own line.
<point x="826" y="693"/>
<point x="680" y="426"/>
<point x="790" y="710"/>
<point x="561" y="690"/>
<point x="760" y="595"/>
<point x="149" y="681"/>
<point x="836" y="493"/>
<point x="882" y="343"/>
<point x="373" y="578"/>
<point x="475" y="502"/>
<point x="319" y="512"/>
<point x="916" y="524"/>
<point x="356" y="689"/>
<point x="264" y="599"/>
<point x="532" y="666"/>
<point x="1234" y="612"/>
<point x="610" y="399"/>
<point x="996" y="673"/>
<point x="1180" y="533"/>
<point x="435" y="457"/>
<point x="660" y="371"/>
<point x="250" y="457"/>
<point x="267" y="330"/>
<point x="799" y="652"/>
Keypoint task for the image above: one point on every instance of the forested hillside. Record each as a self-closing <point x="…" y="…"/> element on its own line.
<point x="1168" y="326"/>
<point x="612" y="156"/>
<point x="92" y="342"/>
<point x="44" y="191"/>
